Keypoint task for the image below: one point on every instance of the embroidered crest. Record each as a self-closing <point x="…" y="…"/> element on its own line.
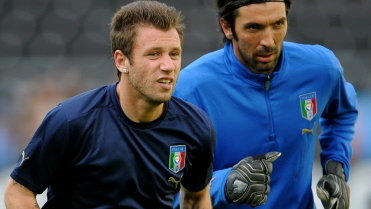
<point x="177" y="158"/>
<point x="308" y="105"/>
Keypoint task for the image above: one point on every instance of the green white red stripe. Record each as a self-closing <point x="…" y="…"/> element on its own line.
<point x="308" y="105"/>
<point x="177" y="158"/>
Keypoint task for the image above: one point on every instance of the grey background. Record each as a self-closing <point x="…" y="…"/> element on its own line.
<point x="53" y="49"/>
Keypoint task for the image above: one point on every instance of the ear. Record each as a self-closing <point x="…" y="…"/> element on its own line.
<point x="226" y="28"/>
<point x="121" y="61"/>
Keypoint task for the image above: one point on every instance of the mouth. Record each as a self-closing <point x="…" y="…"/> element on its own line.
<point x="166" y="83"/>
<point x="265" y="58"/>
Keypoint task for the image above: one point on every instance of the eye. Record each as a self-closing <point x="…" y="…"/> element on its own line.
<point x="155" y="53"/>
<point x="279" y="24"/>
<point x="253" y="27"/>
<point x="175" y="54"/>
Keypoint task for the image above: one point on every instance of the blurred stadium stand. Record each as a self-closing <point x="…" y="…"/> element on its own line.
<point x="53" y="49"/>
<point x="72" y="28"/>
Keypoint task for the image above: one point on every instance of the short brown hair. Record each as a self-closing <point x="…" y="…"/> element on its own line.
<point x="127" y="19"/>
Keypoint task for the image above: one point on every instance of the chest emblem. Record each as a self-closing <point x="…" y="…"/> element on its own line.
<point x="308" y="105"/>
<point x="177" y="158"/>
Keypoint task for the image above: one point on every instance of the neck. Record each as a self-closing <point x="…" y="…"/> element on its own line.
<point x="135" y="107"/>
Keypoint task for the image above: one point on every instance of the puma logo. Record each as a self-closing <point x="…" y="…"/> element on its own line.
<point x="305" y="130"/>
<point x="23" y="158"/>
<point x="173" y="180"/>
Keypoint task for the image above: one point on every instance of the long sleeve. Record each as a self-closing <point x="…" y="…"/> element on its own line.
<point x="337" y="123"/>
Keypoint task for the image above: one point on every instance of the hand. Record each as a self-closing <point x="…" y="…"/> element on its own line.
<point x="248" y="182"/>
<point x="332" y="188"/>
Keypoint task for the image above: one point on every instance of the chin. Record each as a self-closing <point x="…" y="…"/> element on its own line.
<point x="265" y="68"/>
<point x="161" y="99"/>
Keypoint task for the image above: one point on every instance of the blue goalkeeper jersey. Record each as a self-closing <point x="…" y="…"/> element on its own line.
<point x="90" y="155"/>
<point x="255" y="114"/>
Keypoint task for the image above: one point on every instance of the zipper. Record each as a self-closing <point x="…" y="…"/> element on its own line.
<point x="267" y="85"/>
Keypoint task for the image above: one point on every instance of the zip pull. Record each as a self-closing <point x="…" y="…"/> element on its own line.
<point x="267" y="83"/>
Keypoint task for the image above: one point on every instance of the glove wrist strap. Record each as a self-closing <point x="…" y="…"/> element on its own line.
<point x="335" y="168"/>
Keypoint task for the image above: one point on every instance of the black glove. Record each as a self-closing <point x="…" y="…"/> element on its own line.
<point x="332" y="189"/>
<point x="248" y="181"/>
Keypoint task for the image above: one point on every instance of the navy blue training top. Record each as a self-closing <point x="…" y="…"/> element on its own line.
<point x="90" y="155"/>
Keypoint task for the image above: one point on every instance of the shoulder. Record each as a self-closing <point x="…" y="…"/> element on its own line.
<point x="316" y="57"/>
<point x="309" y="49"/>
<point x="189" y="112"/>
<point x="316" y="54"/>
<point x="192" y="121"/>
<point x="86" y="102"/>
<point x="204" y="71"/>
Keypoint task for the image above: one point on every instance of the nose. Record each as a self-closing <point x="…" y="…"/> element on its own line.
<point x="167" y="64"/>
<point x="267" y="39"/>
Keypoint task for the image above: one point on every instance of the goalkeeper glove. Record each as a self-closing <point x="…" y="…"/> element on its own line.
<point x="248" y="181"/>
<point x="332" y="188"/>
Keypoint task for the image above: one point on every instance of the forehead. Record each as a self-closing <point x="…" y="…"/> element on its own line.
<point x="262" y="12"/>
<point x="152" y="37"/>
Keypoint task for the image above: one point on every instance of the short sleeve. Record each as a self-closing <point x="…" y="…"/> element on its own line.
<point x="44" y="157"/>
<point x="199" y="170"/>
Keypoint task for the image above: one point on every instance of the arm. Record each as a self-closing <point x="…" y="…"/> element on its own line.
<point x="337" y="125"/>
<point x="19" y="197"/>
<point x="196" y="200"/>
<point x="216" y="190"/>
<point x="338" y="119"/>
<point x="38" y="163"/>
<point x="337" y="122"/>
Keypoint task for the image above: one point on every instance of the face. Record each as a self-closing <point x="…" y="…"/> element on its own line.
<point x="259" y="33"/>
<point x="155" y="64"/>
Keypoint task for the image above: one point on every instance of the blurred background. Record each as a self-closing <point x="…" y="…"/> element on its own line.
<point x="53" y="49"/>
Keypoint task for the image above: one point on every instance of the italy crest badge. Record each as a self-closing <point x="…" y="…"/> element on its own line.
<point x="177" y="158"/>
<point x="308" y="105"/>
